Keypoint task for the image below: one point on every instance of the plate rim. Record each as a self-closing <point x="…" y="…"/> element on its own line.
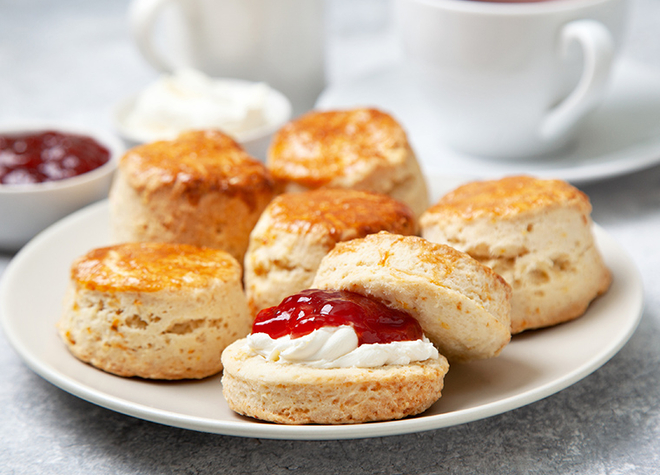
<point x="632" y="285"/>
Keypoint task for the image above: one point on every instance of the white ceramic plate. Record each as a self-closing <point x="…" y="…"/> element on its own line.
<point x="622" y="135"/>
<point x="531" y="367"/>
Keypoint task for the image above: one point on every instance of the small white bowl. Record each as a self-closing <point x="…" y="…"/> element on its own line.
<point x="27" y="209"/>
<point x="277" y="110"/>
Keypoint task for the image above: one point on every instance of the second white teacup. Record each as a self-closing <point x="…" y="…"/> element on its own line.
<point x="510" y="79"/>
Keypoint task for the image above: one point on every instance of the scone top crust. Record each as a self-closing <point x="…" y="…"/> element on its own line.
<point x="509" y="197"/>
<point x="438" y="263"/>
<point x="340" y="213"/>
<point x="321" y="147"/>
<point x="462" y="305"/>
<point x="151" y="267"/>
<point x="199" y="161"/>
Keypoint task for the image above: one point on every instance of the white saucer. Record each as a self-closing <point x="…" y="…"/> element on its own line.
<point x="622" y="135"/>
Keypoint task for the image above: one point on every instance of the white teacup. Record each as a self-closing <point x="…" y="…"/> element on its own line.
<point x="280" y="42"/>
<point x="510" y="79"/>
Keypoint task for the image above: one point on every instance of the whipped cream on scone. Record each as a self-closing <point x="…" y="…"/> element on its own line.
<point x="337" y="347"/>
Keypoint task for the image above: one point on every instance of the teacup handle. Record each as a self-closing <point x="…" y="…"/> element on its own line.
<point x="598" y="49"/>
<point x="142" y="16"/>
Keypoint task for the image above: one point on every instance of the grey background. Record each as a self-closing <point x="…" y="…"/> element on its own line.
<point x="73" y="60"/>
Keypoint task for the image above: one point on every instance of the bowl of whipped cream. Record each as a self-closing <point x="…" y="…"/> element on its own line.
<point x="187" y="99"/>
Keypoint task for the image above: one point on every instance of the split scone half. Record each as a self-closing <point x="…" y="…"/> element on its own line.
<point x="201" y="189"/>
<point x="463" y="306"/>
<point x="362" y="149"/>
<point x="296" y="230"/>
<point x="154" y="310"/>
<point x="536" y="233"/>
<point x="316" y="358"/>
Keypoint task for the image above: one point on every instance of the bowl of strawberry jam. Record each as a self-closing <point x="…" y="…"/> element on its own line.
<point x="47" y="171"/>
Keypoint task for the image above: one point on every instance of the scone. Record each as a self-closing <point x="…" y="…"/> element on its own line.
<point x="380" y="368"/>
<point x="536" y="233"/>
<point x="294" y="394"/>
<point x="297" y="229"/>
<point x="154" y="310"/>
<point x="201" y="189"/>
<point x="363" y="149"/>
<point x="462" y="305"/>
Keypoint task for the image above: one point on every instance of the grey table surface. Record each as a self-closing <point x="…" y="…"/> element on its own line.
<point x="74" y="59"/>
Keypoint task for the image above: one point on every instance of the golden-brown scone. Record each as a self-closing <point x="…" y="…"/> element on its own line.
<point x="154" y="310"/>
<point x="363" y="149"/>
<point x="297" y="229"/>
<point x="462" y="306"/>
<point x="201" y="189"/>
<point x="536" y="233"/>
<point x="297" y="394"/>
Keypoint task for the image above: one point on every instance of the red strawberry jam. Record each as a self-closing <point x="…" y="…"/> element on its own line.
<point x="47" y="156"/>
<point x="302" y="313"/>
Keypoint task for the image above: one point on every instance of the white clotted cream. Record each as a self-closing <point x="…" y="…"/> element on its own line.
<point x="337" y="347"/>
